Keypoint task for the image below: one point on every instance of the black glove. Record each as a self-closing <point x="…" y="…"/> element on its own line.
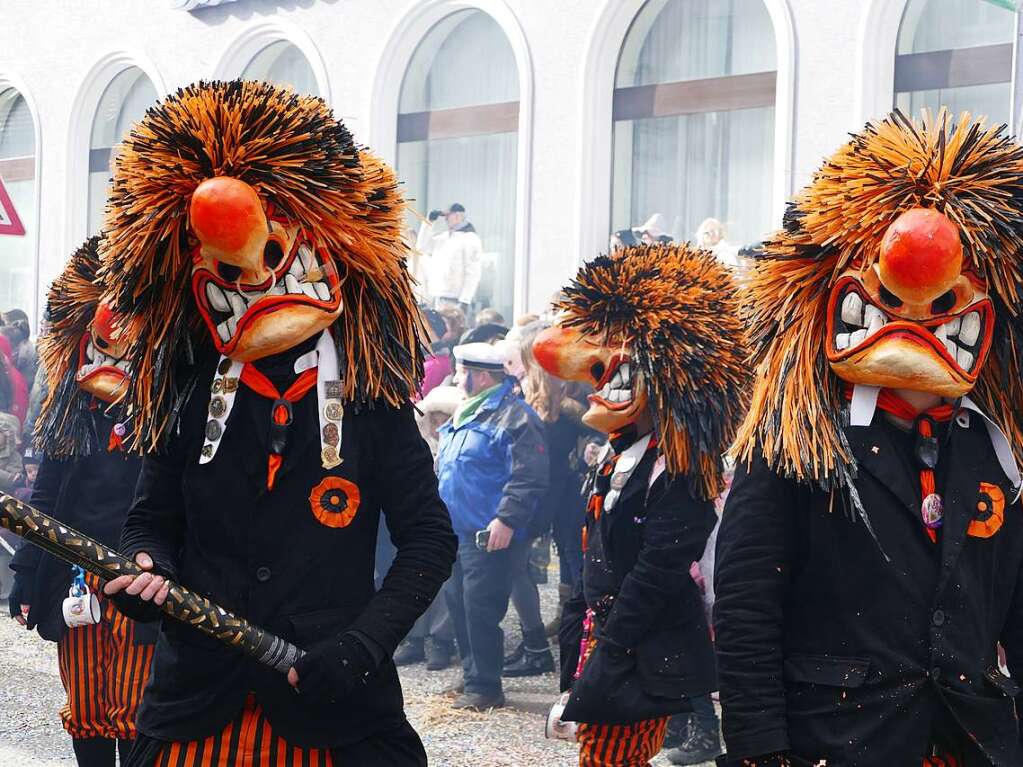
<point x="20" y="592"/>
<point x="332" y="670"/>
<point x="434" y="215"/>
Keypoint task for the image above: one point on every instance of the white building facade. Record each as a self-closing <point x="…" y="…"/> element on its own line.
<point x="554" y="122"/>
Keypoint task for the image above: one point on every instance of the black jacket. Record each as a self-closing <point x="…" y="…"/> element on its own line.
<point x="829" y="650"/>
<point x="266" y="556"/>
<point x="651" y="628"/>
<point x="90" y="494"/>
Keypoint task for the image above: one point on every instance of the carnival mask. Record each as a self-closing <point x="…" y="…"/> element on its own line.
<point x="259" y="282"/>
<point x="619" y="398"/>
<point x="102" y="370"/>
<point x="918" y="318"/>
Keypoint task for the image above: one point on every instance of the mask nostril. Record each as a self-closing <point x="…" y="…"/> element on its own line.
<point x="943" y="303"/>
<point x="98" y="341"/>
<point x="229" y="272"/>
<point x="273" y="254"/>
<point x="890" y="299"/>
<point x="597" y="370"/>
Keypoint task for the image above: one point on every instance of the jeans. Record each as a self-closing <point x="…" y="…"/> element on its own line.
<point x="704" y="715"/>
<point x="477" y="596"/>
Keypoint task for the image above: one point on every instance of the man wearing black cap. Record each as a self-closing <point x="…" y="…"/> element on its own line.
<point x="493" y="469"/>
<point x="452" y="258"/>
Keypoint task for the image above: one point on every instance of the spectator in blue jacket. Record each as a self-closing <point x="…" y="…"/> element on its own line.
<point x="493" y="470"/>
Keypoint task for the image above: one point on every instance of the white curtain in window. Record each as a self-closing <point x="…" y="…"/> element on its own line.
<point x="122" y="104"/>
<point x="282" y="63"/>
<point x="466" y="61"/>
<point x="939" y="25"/>
<point x="706" y="164"/>
<point x="17" y="171"/>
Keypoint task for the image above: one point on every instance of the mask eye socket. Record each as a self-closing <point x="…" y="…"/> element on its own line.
<point x="228" y="272"/>
<point x="943" y="303"/>
<point x="273" y="254"/>
<point x="890" y="299"/>
<point x="99" y="342"/>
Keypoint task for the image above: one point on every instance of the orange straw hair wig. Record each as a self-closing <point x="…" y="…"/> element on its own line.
<point x="303" y="162"/>
<point x="673" y="307"/>
<point x="64" y="428"/>
<point x="970" y="172"/>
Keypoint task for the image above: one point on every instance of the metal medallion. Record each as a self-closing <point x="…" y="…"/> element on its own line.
<point x="618" y="481"/>
<point x="331" y="435"/>
<point x="230" y="385"/>
<point x="224" y="367"/>
<point x="932" y="510"/>
<point x="332" y="389"/>
<point x="218" y="406"/>
<point x="213" y="430"/>
<point x="207" y="450"/>
<point x="330" y="457"/>
<point x="333" y="411"/>
<point x="218" y="385"/>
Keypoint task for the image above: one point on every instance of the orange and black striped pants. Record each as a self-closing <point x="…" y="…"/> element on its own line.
<point x="103" y="672"/>
<point x="620" y="745"/>
<point x="248" y="741"/>
<point x="616" y="745"/>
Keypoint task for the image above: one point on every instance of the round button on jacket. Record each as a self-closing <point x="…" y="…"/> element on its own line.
<point x="938" y="618"/>
<point x="263" y="574"/>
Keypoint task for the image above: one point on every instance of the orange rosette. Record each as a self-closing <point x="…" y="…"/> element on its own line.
<point x="334" y="502"/>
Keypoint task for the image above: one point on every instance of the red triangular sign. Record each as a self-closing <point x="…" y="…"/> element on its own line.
<point x="10" y="224"/>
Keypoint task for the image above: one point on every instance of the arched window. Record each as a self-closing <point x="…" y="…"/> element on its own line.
<point x="694" y="119"/>
<point x="18" y="176"/>
<point x="458" y="143"/>
<point x="282" y="63"/>
<point x="955" y="53"/>
<point x="123" y="103"/>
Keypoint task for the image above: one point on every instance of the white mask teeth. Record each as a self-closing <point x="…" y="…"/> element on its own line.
<point x="292" y="284"/>
<point x="224" y="331"/>
<point x="238" y="305"/>
<point x="842" y="341"/>
<point x="852" y="310"/>
<point x="964" y="359"/>
<point x="855" y="339"/>
<point x="970" y="330"/>
<point x="322" y="291"/>
<point x="951" y="348"/>
<point x="217" y="298"/>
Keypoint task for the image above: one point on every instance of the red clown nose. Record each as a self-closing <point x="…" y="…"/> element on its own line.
<point x="921" y="256"/>
<point x="105" y="323"/>
<point x="225" y="214"/>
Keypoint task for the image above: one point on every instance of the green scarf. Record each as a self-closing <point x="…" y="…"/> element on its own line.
<point x="468" y="408"/>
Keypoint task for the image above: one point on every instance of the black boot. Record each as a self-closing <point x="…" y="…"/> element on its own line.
<point x="536" y="656"/>
<point x="702" y="745"/>
<point x="515" y="655"/>
<point x="95" y="752"/>
<point x="410" y="651"/>
<point x="440" y="655"/>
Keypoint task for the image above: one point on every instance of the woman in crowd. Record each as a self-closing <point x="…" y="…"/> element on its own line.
<point x="561" y="508"/>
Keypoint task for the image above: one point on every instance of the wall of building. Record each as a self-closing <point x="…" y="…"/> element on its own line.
<point x="59" y="53"/>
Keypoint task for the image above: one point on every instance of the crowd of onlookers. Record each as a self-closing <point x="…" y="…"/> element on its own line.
<point x="22" y="389"/>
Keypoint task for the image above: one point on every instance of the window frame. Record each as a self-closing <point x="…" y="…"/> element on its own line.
<point x="34" y="310"/>
<point x="599" y="81"/>
<point x="401" y="45"/>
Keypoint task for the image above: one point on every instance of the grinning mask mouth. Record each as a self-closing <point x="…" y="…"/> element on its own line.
<point x="260" y="284"/>
<point x="620" y="396"/>
<point x="916" y="319"/>
<point x="102" y="369"/>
